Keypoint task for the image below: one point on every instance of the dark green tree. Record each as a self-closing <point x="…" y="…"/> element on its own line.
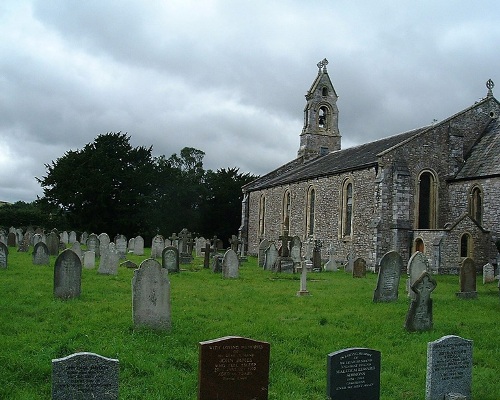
<point x="104" y="187"/>
<point x="22" y="215"/>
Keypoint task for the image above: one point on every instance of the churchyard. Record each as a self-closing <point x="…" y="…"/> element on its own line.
<point x="304" y="332"/>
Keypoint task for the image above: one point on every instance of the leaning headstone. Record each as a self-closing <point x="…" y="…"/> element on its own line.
<point x="84" y="237"/>
<point x="4" y="253"/>
<point x="67" y="275"/>
<point x="85" y="376"/>
<point x="389" y="275"/>
<point x="157" y="246"/>
<point x="488" y="273"/>
<point x="230" y="264"/>
<point x="353" y="374"/>
<point x="264" y="244"/>
<point x="129" y="264"/>
<point x="170" y="259"/>
<point x="89" y="259"/>
<point x="41" y="254"/>
<point x="139" y="246"/>
<point x="53" y="243"/>
<point x="419" y="316"/>
<point x="359" y="268"/>
<point x="233" y="368"/>
<point x="151" y="296"/>
<point x="271" y="255"/>
<point x="449" y="368"/>
<point x="467" y="280"/>
<point x="417" y="265"/>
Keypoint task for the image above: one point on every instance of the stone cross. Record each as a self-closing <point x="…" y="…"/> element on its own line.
<point x="285" y="239"/>
<point x="419" y="317"/>
<point x="234" y="242"/>
<point x="207" y="251"/>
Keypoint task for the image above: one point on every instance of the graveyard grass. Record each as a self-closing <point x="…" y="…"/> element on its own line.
<point x="36" y="328"/>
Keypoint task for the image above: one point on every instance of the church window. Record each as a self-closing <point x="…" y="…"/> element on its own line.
<point x="324" y="91"/>
<point x="465" y="245"/>
<point x="323" y="151"/>
<point x="286" y="210"/>
<point x="323" y="116"/>
<point x="311" y="200"/>
<point x="427" y="197"/>
<point x="419" y="245"/>
<point x="346" y="209"/>
<point x="476" y="204"/>
<point x="262" y="215"/>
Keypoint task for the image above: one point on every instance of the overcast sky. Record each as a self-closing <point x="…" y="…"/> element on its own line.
<point x="228" y="77"/>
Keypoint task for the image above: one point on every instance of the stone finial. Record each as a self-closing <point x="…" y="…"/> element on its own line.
<point x="490" y="85"/>
<point x="322" y="65"/>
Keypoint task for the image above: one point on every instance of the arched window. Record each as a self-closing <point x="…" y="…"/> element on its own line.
<point x="419" y="245"/>
<point x="465" y="245"/>
<point x="287" y="202"/>
<point x="346" y="209"/>
<point x="310" y="206"/>
<point x="262" y="215"/>
<point x="324" y="91"/>
<point x="476" y="204"/>
<point x="323" y="117"/>
<point x="427" y="201"/>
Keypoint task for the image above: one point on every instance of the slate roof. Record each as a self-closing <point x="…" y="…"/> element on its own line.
<point x="484" y="157"/>
<point x="353" y="158"/>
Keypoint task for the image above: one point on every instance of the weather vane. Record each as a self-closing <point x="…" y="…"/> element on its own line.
<point x="322" y="64"/>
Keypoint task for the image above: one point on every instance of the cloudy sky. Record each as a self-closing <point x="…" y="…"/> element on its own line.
<point x="228" y="77"/>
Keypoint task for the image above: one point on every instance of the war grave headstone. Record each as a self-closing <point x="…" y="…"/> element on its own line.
<point x="72" y="237"/>
<point x="84" y="375"/>
<point x="359" y="268"/>
<point x="467" y="280"/>
<point x="93" y="244"/>
<point x="110" y="260"/>
<point x="89" y="259"/>
<point x="11" y="239"/>
<point x="419" y="316"/>
<point x="353" y="374"/>
<point x="488" y="274"/>
<point x="263" y="246"/>
<point x="157" y="246"/>
<point x="270" y="256"/>
<point x="151" y="296"/>
<point x="449" y="368"/>
<point x="233" y="368"/>
<point x="139" y="246"/>
<point x="207" y="251"/>
<point x="67" y="275"/>
<point x="4" y="254"/>
<point x="318" y="244"/>
<point x="41" y="254"/>
<point x="230" y="265"/>
<point x="389" y="275"/>
<point x="170" y="259"/>
<point x="121" y="246"/>
<point x="417" y="265"/>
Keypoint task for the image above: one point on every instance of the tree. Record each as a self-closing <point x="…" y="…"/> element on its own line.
<point x="104" y="187"/>
<point x="22" y="215"/>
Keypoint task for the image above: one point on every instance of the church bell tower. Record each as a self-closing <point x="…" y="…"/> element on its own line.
<point x="320" y="134"/>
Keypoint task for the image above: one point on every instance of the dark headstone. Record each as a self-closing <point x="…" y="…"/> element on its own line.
<point x="53" y="243"/>
<point x="316" y="258"/>
<point x="359" y="268"/>
<point x="389" y="275"/>
<point x="419" y="316"/>
<point x="11" y="239"/>
<point x="85" y="376"/>
<point x="170" y="259"/>
<point x="449" y="368"/>
<point x="217" y="264"/>
<point x="353" y="374"/>
<point x="67" y="275"/>
<point x="233" y="368"/>
<point x="467" y="280"/>
<point x="207" y="251"/>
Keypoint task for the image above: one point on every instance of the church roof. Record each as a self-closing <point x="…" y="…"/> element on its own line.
<point x="353" y="158"/>
<point x="484" y="157"/>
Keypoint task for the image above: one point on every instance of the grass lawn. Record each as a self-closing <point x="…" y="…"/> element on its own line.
<point x="35" y="328"/>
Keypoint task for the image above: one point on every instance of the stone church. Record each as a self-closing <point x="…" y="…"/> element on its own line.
<point x="435" y="189"/>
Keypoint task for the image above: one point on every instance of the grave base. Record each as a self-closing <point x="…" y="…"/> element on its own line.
<point x="467" y="295"/>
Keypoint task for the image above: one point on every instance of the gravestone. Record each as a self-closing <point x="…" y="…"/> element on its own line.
<point x="316" y="259"/>
<point x="217" y="263"/>
<point x="331" y="264"/>
<point x="104" y="242"/>
<point x="41" y="254"/>
<point x="234" y="242"/>
<point x="89" y="259"/>
<point x="4" y="254"/>
<point x="93" y="244"/>
<point x="417" y="265"/>
<point x="186" y="247"/>
<point x="157" y="246"/>
<point x="139" y="246"/>
<point x="77" y="248"/>
<point x="85" y="376"/>
<point x="270" y="257"/>
<point x="72" y="237"/>
<point x="131" y="245"/>
<point x="359" y="268"/>
<point x="121" y="246"/>
<point x="263" y="246"/>
<point x="233" y="368"/>
<point x="110" y="260"/>
<point x="296" y="252"/>
<point x="170" y="259"/>
<point x="488" y="273"/>
<point x="449" y="368"/>
<point x="37" y="238"/>
<point x="151" y="296"/>
<point x="25" y="243"/>
<point x="83" y="238"/>
<point x="389" y="275"/>
<point x="3" y="237"/>
<point x="230" y="265"/>
<point x="467" y="279"/>
<point x="207" y="251"/>
<point x="199" y="245"/>
<point x="53" y="243"/>
<point x="64" y="237"/>
<point x="11" y="239"/>
<point x="128" y="264"/>
<point x="67" y="275"/>
<point x="419" y="316"/>
<point x="353" y="374"/>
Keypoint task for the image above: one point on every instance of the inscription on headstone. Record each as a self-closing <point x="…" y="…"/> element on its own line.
<point x="388" y="277"/>
<point x="170" y="259"/>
